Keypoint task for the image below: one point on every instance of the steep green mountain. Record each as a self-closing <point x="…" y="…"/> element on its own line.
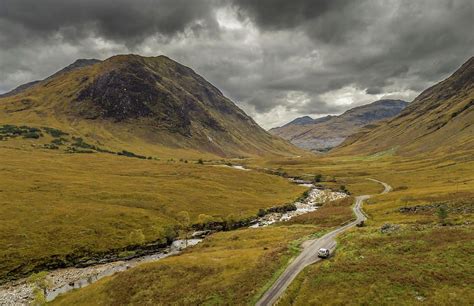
<point x="324" y="133"/>
<point x="440" y="120"/>
<point x="146" y="104"/>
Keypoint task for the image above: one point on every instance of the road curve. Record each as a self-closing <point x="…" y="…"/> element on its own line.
<point x="309" y="254"/>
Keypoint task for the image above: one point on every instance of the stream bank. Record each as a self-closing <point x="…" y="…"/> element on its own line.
<point x="21" y="292"/>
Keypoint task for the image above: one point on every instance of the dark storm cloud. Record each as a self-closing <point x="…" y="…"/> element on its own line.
<point x="275" y="58"/>
<point x="283" y="14"/>
<point x="129" y="21"/>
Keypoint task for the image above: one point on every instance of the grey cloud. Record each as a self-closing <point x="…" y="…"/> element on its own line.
<point x="288" y="56"/>
<point x="283" y="14"/>
<point x="128" y="21"/>
<point x="373" y="41"/>
<point x="374" y="90"/>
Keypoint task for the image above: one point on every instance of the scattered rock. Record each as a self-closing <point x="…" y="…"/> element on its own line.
<point x="200" y="234"/>
<point x="388" y="228"/>
<point x="461" y="207"/>
<point x="315" y="197"/>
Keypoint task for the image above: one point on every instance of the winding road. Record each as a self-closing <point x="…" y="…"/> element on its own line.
<point x="309" y="254"/>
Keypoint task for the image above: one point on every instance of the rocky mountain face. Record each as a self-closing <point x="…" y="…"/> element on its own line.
<point x="439" y="120"/>
<point x="153" y="100"/>
<point x="327" y="132"/>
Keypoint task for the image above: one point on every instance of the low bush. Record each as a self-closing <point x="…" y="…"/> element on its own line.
<point x="51" y="146"/>
<point x="130" y="154"/>
<point x="31" y="135"/>
<point x="25" y="131"/>
<point x="80" y="143"/>
<point x="54" y="132"/>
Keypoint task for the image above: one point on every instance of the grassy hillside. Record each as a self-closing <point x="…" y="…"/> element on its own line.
<point x="432" y="261"/>
<point x="439" y="121"/>
<point x="152" y="103"/>
<point x="57" y="206"/>
<point x="417" y="258"/>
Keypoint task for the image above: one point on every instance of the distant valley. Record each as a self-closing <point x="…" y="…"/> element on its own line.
<point x="325" y="133"/>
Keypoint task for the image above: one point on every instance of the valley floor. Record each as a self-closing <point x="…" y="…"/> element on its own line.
<point x="407" y="252"/>
<point x="59" y="209"/>
<point x="417" y="244"/>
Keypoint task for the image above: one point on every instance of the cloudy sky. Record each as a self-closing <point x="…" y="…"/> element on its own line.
<point x="277" y="59"/>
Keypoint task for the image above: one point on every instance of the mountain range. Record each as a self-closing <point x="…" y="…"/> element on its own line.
<point x="439" y="121"/>
<point x="140" y="103"/>
<point x="324" y="133"/>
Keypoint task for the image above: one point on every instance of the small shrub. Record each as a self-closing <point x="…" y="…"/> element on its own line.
<point x="54" y="132"/>
<point x="57" y="141"/>
<point x="25" y="131"/>
<point x="39" y="298"/>
<point x="442" y="214"/>
<point x="51" y="146"/>
<point x="31" y="135"/>
<point x="130" y="154"/>
<point x="102" y="150"/>
<point x="136" y="237"/>
<point x="204" y="219"/>
<point x="303" y="196"/>
<point x="80" y="143"/>
<point x="200" y="161"/>
<point x="317" y="178"/>
<point x="41" y="284"/>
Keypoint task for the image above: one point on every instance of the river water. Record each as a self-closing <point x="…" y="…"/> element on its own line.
<point x="63" y="280"/>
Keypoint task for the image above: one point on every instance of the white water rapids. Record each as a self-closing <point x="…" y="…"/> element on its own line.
<point x="63" y="280"/>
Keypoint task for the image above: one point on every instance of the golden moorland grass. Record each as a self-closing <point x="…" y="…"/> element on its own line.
<point x="431" y="265"/>
<point x="228" y="268"/>
<point x="54" y="205"/>
<point x="419" y="260"/>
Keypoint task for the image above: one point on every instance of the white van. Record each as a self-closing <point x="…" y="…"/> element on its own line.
<point x="323" y="253"/>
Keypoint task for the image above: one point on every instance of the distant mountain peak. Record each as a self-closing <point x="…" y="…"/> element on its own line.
<point x="300" y="121"/>
<point x="327" y="132"/>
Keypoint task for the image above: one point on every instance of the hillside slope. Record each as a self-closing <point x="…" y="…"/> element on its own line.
<point x="327" y="132"/>
<point x="145" y="104"/>
<point x="77" y="64"/>
<point x="439" y="120"/>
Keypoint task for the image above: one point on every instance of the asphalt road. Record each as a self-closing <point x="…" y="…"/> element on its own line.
<point x="309" y="254"/>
